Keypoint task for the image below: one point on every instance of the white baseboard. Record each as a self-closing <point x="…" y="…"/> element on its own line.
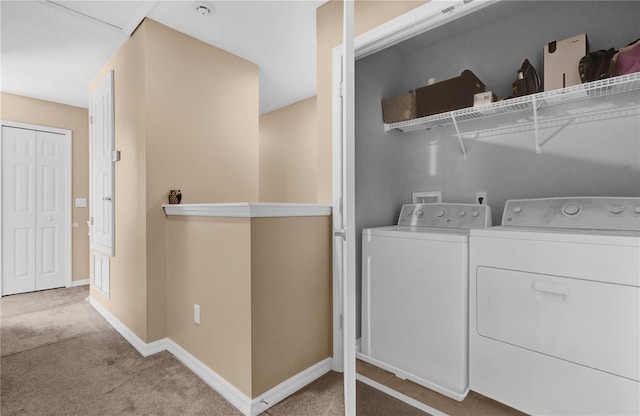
<point x="83" y="282"/>
<point x="290" y="386"/>
<point x="213" y="379"/>
<point x="143" y="348"/>
<point x="238" y="399"/>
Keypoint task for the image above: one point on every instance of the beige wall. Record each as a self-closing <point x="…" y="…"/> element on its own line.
<point x="128" y="283"/>
<point x="44" y="113"/>
<point x="209" y="264"/>
<point x="288" y="159"/>
<point x="186" y="118"/>
<point x="368" y="14"/>
<point x="291" y="296"/>
<point x="264" y="289"/>
<point x="202" y="138"/>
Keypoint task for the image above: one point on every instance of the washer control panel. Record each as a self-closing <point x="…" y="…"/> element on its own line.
<point x="438" y="215"/>
<point x="593" y="213"/>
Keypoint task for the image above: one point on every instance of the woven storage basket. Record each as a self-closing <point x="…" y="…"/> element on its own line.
<point x="399" y="108"/>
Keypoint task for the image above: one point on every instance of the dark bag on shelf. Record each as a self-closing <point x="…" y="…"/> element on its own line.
<point x="448" y="95"/>
<point x="527" y="80"/>
<point x="596" y="65"/>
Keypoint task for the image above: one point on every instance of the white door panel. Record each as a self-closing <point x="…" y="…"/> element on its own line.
<point x="101" y="146"/>
<point x="50" y="213"/>
<point x="18" y="212"/>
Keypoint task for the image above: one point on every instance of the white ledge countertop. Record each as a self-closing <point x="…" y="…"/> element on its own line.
<point x="248" y="210"/>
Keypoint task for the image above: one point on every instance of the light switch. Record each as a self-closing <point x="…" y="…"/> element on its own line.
<point x="81" y="202"/>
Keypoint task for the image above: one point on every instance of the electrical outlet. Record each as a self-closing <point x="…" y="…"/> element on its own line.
<point x="481" y="197"/>
<point x="196" y="313"/>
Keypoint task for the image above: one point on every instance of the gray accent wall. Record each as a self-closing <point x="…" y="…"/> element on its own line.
<point x="593" y="155"/>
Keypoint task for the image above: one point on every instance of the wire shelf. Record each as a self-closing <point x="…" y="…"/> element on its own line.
<point x="533" y="102"/>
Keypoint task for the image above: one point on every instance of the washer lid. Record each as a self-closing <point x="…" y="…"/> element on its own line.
<point x="422" y="233"/>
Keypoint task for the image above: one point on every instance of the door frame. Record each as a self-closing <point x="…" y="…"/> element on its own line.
<point x="419" y="20"/>
<point x="67" y="183"/>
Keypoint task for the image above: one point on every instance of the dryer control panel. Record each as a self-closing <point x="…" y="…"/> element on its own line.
<point x="592" y="213"/>
<point x="439" y="215"/>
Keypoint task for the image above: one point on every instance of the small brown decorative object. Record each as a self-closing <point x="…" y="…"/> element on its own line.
<point x="175" y="196"/>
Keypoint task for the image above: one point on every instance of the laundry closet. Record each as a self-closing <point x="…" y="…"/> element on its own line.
<point x="587" y="146"/>
<point x="594" y="153"/>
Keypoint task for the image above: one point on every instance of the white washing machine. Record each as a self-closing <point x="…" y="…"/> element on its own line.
<point x="555" y="307"/>
<point x="415" y="295"/>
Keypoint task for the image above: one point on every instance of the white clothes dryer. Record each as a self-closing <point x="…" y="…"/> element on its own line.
<point x="555" y="307"/>
<point x="415" y="295"/>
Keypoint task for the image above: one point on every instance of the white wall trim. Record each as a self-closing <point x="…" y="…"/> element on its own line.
<point x="28" y="126"/>
<point x="74" y="283"/>
<point x="234" y="396"/>
<point x="403" y="398"/>
<point x="213" y="379"/>
<point x="143" y="348"/>
<point x="249" y="210"/>
<point x="290" y="386"/>
<point x="414" y="22"/>
<point x="337" y="186"/>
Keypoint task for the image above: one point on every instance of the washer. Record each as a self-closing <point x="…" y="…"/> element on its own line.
<point x="415" y="295"/>
<point x="555" y="307"/>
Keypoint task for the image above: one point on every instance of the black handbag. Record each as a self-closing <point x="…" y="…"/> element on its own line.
<point x="527" y="81"/>
<point x="596" y="65"/>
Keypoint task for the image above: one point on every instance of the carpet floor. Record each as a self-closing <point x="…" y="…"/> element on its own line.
<point x="60" y="357"/>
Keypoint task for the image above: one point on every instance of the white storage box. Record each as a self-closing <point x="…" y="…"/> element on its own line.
<point x="561" y="60"/>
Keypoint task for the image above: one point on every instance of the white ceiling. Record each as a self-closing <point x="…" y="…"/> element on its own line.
<point x="52" y="50"/>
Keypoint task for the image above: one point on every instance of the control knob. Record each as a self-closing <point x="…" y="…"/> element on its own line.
<point x="419" y="213"/>
<point x="440" y="212"/>
<point x="462" y="213"/>
<point x="616" y="209"/>
<point x="517" y="210"/>
<point x="475" y="213"/>
<point x="636" y="209"/>
<point x="571" y="208"/>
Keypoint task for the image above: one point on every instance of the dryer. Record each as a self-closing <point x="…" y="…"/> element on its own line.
<point x="555" y="307"/>
<point x="415" y="295"/>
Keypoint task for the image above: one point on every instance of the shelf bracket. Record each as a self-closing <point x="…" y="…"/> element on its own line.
<point x="536" y="130"/>
<point x="455" y="124"/>
<point x="555" y="133"/>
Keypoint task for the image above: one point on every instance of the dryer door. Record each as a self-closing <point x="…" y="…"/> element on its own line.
<point x="591" y="323"/>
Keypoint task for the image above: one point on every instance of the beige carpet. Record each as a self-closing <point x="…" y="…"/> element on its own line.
<point x="59" y="357"/>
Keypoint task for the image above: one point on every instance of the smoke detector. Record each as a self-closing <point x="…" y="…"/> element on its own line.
<point x="204" y="9"/>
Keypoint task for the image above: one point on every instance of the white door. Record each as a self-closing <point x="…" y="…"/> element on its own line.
<point x="101" y="146"/>
<point x="36" y="209"/>
<point x="344" y="201"/>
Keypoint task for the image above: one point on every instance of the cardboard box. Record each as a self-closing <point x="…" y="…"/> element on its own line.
<point x="484" y="98"/>
<point x="399" y="108"/>
<point x="561" y="60"/>
<point x="449" y="95"/>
